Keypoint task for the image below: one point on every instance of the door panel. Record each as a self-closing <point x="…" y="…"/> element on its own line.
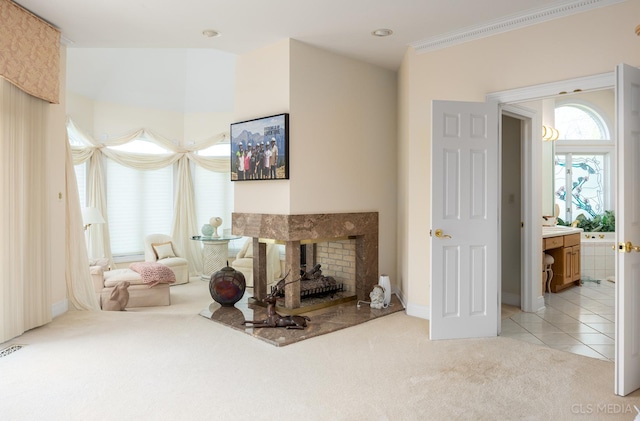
<point x="627" y="364"/>
<point x="464" y="246"/>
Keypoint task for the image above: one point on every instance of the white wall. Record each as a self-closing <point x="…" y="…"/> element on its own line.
<point x="105" y="120"/>
<point x="580" y="45"/>
<point x="263" y="89"/>
<point x="342" y="136"/>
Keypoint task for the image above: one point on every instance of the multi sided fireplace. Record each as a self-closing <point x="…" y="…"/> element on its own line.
<point x="295" y="230"/>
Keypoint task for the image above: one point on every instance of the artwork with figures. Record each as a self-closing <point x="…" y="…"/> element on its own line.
<point x="260" y="149"/>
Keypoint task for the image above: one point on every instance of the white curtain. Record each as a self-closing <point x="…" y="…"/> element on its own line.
<point x="80" y="290"/>
<point x="25" y="280"/>
<point x="184" y="223"/>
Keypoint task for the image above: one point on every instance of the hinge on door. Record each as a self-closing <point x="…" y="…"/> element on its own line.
<point x="568" y="170"/>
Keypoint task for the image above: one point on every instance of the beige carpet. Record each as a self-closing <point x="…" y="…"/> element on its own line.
<point x="169" y="363"/>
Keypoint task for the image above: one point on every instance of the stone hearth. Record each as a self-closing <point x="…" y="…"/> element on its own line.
<point x="324" y="320"/>
<point x="294" y="230"/>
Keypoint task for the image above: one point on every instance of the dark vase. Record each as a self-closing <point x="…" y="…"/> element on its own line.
<point x="227" y="286"/>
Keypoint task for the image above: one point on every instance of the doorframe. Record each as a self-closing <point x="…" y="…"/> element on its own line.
<point x="507" y="101"/>
<point x="530" y="300"/>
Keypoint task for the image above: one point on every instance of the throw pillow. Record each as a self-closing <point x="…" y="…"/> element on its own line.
<point x="163" y="250"/>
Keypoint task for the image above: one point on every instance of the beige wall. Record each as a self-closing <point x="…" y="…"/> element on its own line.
<point x="342" y="136"/>
<point x="579" y="45"/>
<point x="262" y="89"/>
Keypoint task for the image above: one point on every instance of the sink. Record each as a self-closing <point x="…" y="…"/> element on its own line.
<point x="559" y="230"/>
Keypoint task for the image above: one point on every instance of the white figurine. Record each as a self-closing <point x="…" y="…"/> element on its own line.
<point x="215" y="222"/>
<point x="377" y="297"/>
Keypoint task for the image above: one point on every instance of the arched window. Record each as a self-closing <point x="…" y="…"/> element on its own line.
<point x="580" y="122"/>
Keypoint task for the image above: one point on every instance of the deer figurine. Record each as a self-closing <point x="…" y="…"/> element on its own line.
<point x="274" y="319"/>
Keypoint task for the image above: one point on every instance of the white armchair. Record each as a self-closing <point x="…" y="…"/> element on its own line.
<point x="244" y="263"/>
<point x="162" y="249"/>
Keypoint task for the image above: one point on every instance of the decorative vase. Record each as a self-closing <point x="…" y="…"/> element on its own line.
<point x="227" y="286"/>
<point x="215" y="222"/>
<point x="207" y="230"/>
<point x="385" y="283"/>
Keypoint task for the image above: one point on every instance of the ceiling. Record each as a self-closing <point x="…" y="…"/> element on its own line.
<point x="341" y="26"/>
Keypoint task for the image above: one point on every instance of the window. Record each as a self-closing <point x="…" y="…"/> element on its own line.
<point x="138" y="203"/>
<point x="580" y="185"/>
<point x="141" y="202"/>
<point x="579" y="122"/>
<point x="582" y="167"/>
<point x="81" y="179"/>
<point x="213" y="191"/>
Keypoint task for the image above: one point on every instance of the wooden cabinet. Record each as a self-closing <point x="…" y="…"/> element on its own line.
<point x="566" y="266"/>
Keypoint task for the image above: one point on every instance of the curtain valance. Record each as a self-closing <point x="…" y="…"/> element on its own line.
<point x="29" y="52"/>
<point x="144" y="161"/>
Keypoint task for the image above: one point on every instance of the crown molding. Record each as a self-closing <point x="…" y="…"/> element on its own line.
<point x="510" y="23"/>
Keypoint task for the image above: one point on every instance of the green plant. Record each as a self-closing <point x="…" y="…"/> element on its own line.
<point x="604" y="222"/>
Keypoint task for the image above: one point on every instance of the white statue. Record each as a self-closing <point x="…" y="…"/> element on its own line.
<point x="215" y="222"/>
<point x="377" y="297"/>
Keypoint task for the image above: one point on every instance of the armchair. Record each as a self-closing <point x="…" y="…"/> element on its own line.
<point x="244" y="263"/>
<point x="162" y="249"/>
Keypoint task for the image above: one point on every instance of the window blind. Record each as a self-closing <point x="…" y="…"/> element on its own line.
<point x="138" y="203"/>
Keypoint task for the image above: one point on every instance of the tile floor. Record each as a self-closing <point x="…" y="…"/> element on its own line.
<point x="580" y="320"/>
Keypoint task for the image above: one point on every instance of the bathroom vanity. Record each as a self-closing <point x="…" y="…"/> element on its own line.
<point x="563" y="244"/>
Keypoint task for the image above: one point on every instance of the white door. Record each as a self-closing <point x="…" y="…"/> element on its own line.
<point x="464" y="220"/>
<point x="627" y="364"/>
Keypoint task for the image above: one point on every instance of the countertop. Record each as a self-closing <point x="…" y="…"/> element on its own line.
<point x="559" y="230"/>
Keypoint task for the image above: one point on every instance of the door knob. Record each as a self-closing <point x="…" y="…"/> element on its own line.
<point x="440" y="234"/>
<point x="627" y="247"/>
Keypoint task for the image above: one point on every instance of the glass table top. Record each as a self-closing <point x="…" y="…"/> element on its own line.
<point x="221" y="238"/>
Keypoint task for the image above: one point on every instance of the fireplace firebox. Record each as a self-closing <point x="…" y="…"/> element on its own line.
<point x="295" y="230"/>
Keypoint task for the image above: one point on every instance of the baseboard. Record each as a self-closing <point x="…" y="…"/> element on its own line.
<point x="511" y="299"/>
<point x="59" y="308"/>
<point x="420" y="311"/>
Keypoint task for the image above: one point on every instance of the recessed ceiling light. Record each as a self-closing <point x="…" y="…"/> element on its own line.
<point x="210" y="33"/>
<point x="382" y="32"/>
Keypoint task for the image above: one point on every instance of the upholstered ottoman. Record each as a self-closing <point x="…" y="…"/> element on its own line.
<point x="140" y="294"/>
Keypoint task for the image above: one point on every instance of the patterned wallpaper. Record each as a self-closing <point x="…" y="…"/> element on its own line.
<point x="29" y="52"/>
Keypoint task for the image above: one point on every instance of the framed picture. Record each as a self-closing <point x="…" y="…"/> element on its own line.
<point x="260" y="149"/>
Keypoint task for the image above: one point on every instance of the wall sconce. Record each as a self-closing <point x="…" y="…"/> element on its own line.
<point x="550" y="134"/>
<point x="91" y="216"/>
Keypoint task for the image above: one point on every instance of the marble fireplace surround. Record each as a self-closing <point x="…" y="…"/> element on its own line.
<point x="294" y="230"/>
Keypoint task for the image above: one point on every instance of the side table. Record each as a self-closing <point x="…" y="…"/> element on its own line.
<point x="215" y="253"/>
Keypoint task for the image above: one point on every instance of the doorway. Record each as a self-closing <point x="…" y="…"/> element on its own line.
<point x="580" y="320"/>
<point x="511" y="213"/>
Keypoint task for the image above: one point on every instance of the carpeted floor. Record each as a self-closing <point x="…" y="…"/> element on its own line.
<point x="170" y="363"/>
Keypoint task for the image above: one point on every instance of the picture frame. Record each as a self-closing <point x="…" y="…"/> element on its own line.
<point x="253" y="142"/>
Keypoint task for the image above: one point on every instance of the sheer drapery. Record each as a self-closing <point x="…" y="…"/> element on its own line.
<point x="80" y="291"/>
<point x="25" y="281"/>
<point x="184" y="223"/>
<point x="184" y="220"/>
